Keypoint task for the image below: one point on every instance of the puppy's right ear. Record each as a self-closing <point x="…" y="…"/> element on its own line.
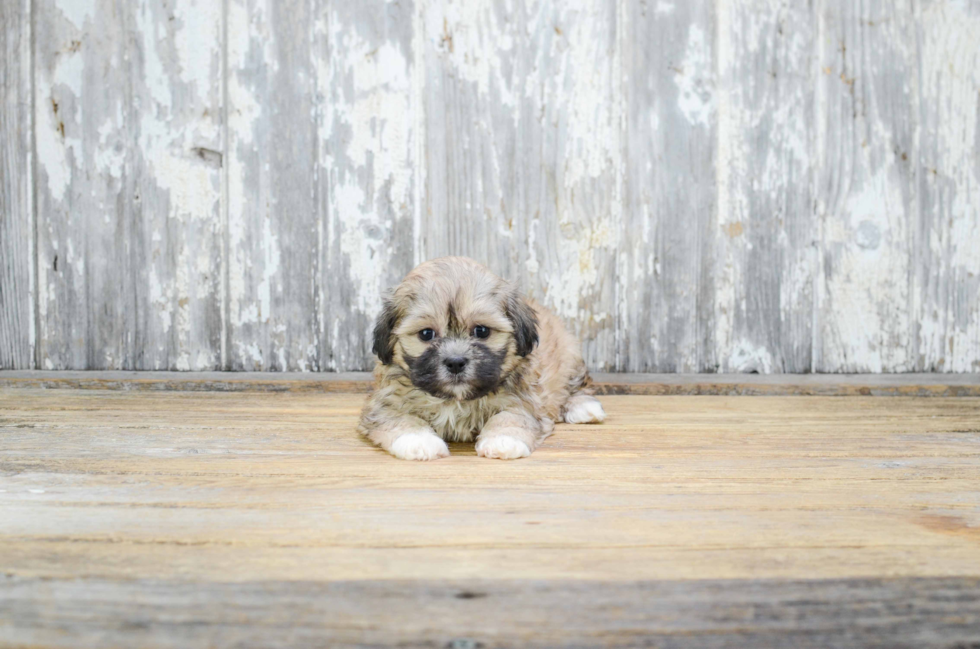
<point x="525" y="323"/>
<point x="384" y="331"/>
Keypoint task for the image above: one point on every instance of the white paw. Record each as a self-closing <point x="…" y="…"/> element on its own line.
<point x="584" y="410"/>
<point x="419" y="446"/>
<point x="502" y="447"/>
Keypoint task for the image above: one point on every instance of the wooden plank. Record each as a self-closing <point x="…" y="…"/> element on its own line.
<point x="917" y="612"/>
<point x="16" y="188"/>
<point x="946" y="286"/>
<point x="691" y="519"/>
<point x="666" y="296"/>
<point x="523" y="152"/>
<point x="519" y="135"/>
<point x="680" y="488"/>
<point x="866" y="196"/>
<point x="128" y="185"/>
<point x="345" y="382"/>
<point x="176" y="247"/>
<point x="764" y="261"/>
<point x="85" y="186"/>
<point x="879" y="385"/>
<point x="369" y="168"/>
<point x="271" y="210"/>
<point x="828" y="385"/>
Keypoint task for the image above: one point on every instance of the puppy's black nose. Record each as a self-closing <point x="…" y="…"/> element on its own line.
<point x="456" y="364"/>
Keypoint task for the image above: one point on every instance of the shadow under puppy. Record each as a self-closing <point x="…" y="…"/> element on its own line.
<point x="462" y="355"/>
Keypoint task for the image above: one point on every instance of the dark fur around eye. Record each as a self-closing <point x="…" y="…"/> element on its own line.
<point x="425" y="371"/>
<point x="384" y="338"/>
<point x="481" y="332"/>
<point x="485" y="379"/>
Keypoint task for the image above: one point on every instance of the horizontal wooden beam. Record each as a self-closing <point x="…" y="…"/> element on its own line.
<point x="880" y="612"/>
<point x="919" y="385"/>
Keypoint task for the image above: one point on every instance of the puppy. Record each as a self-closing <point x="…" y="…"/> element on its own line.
<point x="462" y="356"/>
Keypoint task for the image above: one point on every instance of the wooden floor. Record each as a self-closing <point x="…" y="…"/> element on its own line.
<point x="176" y="519"/>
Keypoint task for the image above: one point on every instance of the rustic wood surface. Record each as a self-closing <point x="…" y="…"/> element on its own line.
<point x="128" y="114"/>
<point x="945" y="233"/>
<point x="219" y="519"/>
<point x="745" y="186"/>
<point x="879" y="385"/>
<point x="763" y="270"/>
<point x="369" y="167"/>
<point x="16" y="188"/>
<point x="896" y="613"/>
<point x="271" y="168"/>
<point x="666" y="307"/>
<point x="866" y="194"/>
<point x="523" y="127"/>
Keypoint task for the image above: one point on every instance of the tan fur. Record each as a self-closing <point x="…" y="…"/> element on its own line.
<point x="533" y="390"/>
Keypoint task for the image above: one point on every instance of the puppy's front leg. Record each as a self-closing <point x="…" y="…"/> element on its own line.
<point x="509" y="436"/>
<point x="407" y="438"/>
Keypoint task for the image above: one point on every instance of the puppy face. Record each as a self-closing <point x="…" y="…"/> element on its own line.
<point x="455" y="328"/>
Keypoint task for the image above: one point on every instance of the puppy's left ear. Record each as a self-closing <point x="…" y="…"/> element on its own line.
<point x="384" y="328"/>
<point x="525" y="323"/>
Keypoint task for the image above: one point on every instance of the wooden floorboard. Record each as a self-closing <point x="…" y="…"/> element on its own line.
<point x="910" y="385"/>
<point x="199" y="519"/>
<point x="898" y="612"/>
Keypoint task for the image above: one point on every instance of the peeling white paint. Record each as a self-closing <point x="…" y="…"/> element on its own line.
<point x="111" y="154"/>
<point x="555" y="72"/>
<point x="574" y="86"/>
<point x="749" y="358"/>
<point x="54" y="135"/>
<point x="948" y="309"/>
<point x="51" y="150"/>
<point x="179" y="116"/>
<point x="244" y="114"/>
<point x="762" y="180"/>
<point x="867" y="288"/>
<point x="198" y="30"/>
<point x="694" y="79"/>
<point x="471" y="36"/>
<point x="77" y="11"/>
<point x="379" y="115"/>
<point x="270" y="271"/>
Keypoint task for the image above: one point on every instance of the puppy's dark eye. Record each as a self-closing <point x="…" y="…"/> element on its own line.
<point x="481" y="332"/>
<point x="427" y="334"/>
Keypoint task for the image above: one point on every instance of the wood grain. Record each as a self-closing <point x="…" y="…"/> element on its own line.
<point x="866" y="195"/>
<point x="86" y="186"/>
<point x="177" y="247"/>
<point x="693" y="186"/>
<point x="860" y="612"/>
<point x="128" y="151"/>
<point x="879" y="385"/>
<point x="523" y="152"/>
<point x="947" y="231"/>
<point x="679" y="516"/>
<point x="271" y="318"/>
<point x="16" y="189"/>
<point x="765" y="258"/>
<point x="666" y="303"/>
<point x="369" y="168"/>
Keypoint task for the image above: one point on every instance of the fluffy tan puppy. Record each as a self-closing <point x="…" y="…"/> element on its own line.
<point x="462" y="356"/>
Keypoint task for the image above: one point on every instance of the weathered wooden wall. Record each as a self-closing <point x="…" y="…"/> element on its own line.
<point x="698" y="185"/>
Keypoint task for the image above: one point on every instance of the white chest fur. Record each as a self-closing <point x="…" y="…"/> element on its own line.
<point x="460" y="421"/>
